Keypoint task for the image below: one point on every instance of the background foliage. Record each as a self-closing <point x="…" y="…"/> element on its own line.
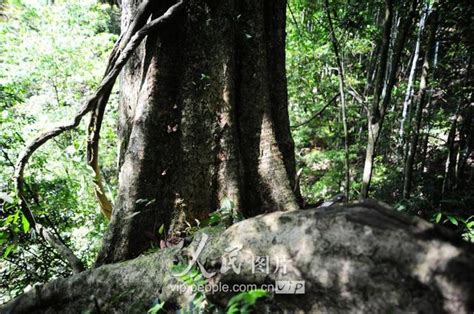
<point x="447" y="125"/>
<point x="52" y="58"/>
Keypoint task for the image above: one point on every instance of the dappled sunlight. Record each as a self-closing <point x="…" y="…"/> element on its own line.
<point x="437" y="257"/>
<point x="433" y="269"/>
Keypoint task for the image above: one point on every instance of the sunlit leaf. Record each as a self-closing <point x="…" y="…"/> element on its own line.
<point x="162" y="229"/>
<point x="8" y="250"/>
<point x="156" y="308"/>
<point x="25" y="223"/>
<point x="453" y="220"/>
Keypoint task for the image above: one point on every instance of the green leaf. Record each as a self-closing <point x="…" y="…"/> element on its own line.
<point x="438" y="217"/>
<point x="25" y="223"/>
<point x="214" y="218"/>
<point x="252" y="296"/>
<point x="162" y="229"/>
<point x="242" y="301"/>
<point x="233" y="309"/>
<point x="9" y="249"/>
<point x="453" y="220"/>
<point x="15" y="217"/>
<point x="156" y="308"/>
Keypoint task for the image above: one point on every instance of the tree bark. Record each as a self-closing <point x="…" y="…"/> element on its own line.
<point x="203" y="118"/>
<point x="358" y="258"/>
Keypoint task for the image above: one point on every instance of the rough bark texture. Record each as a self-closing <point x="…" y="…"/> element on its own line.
<point x="359" y="258"/>
<point x="203" y="118"/>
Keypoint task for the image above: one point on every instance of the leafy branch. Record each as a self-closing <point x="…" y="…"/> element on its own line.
<point x="122" y="51"/>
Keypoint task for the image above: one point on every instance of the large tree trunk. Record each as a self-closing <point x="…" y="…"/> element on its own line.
<point x="203" y="118"/>
<point x="363" y="258"/>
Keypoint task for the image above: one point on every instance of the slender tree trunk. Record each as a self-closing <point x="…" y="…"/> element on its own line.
<point x="466" y="130"/>
<point x="371" y="70"/>
<point x="450" y="165"/>
<point x="373" y="130"/>
<point x="423" y="98"/>
<point x="342" y="88"/>
<point x="468" y="148"/>
<point x="411" y="77"/>
<point x="203" y="119"/>
<point x="373" y="113"/>
<point x="376" y="113"/>
<point x="425" y="141"/>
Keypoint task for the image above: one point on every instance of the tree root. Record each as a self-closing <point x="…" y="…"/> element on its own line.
<point x="364" y="258"/>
